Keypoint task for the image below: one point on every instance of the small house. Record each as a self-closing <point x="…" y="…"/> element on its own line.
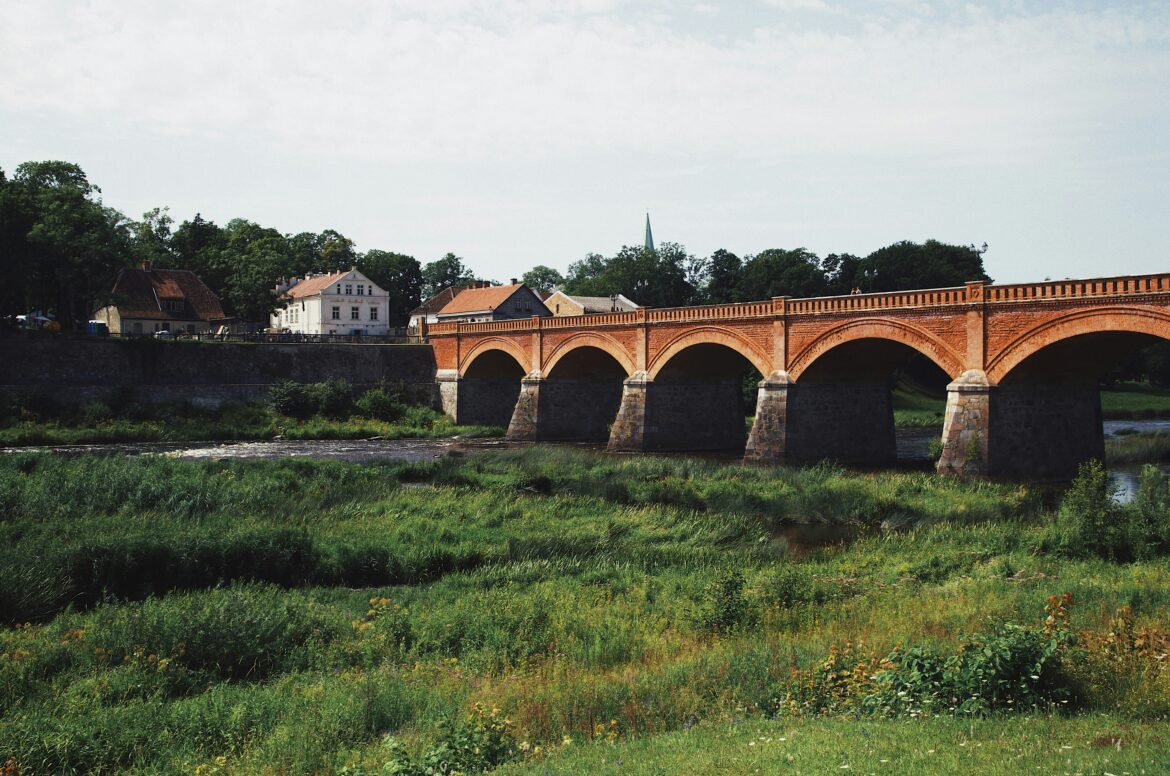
<point x="493" y="303"/>
<point x="562" y="304"/>
<point x="338" y="303"/>
<point x="146" y="301"/>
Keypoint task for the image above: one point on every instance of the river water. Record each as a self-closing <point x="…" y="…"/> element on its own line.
<point x="913" y="449"/>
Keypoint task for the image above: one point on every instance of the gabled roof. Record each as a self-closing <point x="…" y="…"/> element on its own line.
<point x="137" y="293"/>
<point x="438" y="301"/>
<point x="600" y="304"/>
<point x="477" y="300"/>
<point x="314" y="286"/>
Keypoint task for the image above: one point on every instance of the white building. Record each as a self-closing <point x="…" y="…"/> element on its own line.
<point x="345" y="303"/>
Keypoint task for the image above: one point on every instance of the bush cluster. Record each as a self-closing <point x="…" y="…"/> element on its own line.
<point x="480" y="743"/>
<point x="1011" y="668"/>
<point x="1091" y="523"/>
<point x="332" y="398"/>
<point x="335" y="399"/>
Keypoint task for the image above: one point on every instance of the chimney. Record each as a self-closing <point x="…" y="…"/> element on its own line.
<point x="514" y="281"/>
<point x="146" y="265"/>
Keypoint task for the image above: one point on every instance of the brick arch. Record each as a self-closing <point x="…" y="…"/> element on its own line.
<point x="710" y="335"/>
<point x="878" y="328"/>
<point x="1137" y="320"/>
<point x="495" y="343"/>
<point x="602" y="342"/>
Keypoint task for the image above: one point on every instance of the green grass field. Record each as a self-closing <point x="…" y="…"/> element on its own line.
<point x="659" y="613"/>
<point x="989" y="747"/>
<point x="915" y="409"/>
<point x="1135" y="400"/>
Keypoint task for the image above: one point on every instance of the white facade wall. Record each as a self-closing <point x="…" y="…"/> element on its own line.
<point x="364" y="313"/>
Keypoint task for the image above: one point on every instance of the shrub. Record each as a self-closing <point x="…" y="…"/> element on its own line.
<point x="481" y="743"/>
<point x="332" y="398"/>
<point x="380" y="404"/>
<point x="291" y="399"/>
<point x="95" y="412"/>
<point x="1012" y="668"/>
<point x="726" y="607"/>
<point x="1090" y="522"/>
<point x="419" y="416"/>
<point x="1151" y="506"/>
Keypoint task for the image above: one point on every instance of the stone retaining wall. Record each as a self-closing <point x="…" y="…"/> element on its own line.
<point x="88" y="369"/>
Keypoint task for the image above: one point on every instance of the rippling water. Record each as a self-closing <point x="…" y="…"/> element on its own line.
<point x="351" y="450"/>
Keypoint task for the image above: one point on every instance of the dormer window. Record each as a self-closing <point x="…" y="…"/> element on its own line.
<point x="171" y="305"/>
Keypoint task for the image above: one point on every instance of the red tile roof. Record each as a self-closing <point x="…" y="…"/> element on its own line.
<point x="474" y="300"/>
<point x="314" y="286"/>
<point x="137" y="293"/>
<point x="438" y="301"/>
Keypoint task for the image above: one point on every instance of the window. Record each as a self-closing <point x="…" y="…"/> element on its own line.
<point x="348" y="289"/>
<point x="336" y="313"/>
<point x="373" y="313"/>
<point x="354" y="313"/>
<point x="361" y="290"/>
<point x="172" y="305"/>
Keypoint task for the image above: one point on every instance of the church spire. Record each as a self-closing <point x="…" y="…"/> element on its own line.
<point x="649" y="243"/>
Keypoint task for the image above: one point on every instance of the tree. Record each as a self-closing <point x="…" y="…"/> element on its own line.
<point x="907" y="265"/>
<point x="250" y="291"/>
<point x="777" y="272"/>
<point x="443" y="273"/>
<point x="842" y="273"/>
<point x="652" y="278"/>
<point x="152" y="238"/>
<point x="337" y="252"/>
<point x="67" y="246"/>
<point x="724" y="278"/>
<point x="542" y="278"/>
<point x="400" y="276"/>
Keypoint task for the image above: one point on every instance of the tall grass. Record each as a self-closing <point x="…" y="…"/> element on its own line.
<point x="259" y="617"/>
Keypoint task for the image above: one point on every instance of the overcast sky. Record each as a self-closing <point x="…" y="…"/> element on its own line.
<point x="523" y="132"/>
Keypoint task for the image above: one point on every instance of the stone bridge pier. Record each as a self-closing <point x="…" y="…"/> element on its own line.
<point x="850" y="423"/>
<point x="677" y="416"/>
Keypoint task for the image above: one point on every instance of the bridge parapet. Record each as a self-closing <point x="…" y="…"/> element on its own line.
<point x="593" y="319"/>
<point x="973" y="293"/>
<point x="939" y="297"/>
<point x="1078" y="289"/>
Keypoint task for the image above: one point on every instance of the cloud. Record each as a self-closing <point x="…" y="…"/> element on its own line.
<point x="537" y="79"/>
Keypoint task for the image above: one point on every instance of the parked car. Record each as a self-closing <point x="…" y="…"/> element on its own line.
<point x="164" y="334"/>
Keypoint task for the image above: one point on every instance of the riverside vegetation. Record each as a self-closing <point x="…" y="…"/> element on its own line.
<point x="552" y="610"/>
<point x="327" y="410"/>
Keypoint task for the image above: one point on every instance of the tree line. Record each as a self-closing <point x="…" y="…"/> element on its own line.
<point x="671" y="277"/>
<point x="61" y="248"/>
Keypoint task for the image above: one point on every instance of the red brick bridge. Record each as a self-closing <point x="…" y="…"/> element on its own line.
<point x="1023" y="361"/>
